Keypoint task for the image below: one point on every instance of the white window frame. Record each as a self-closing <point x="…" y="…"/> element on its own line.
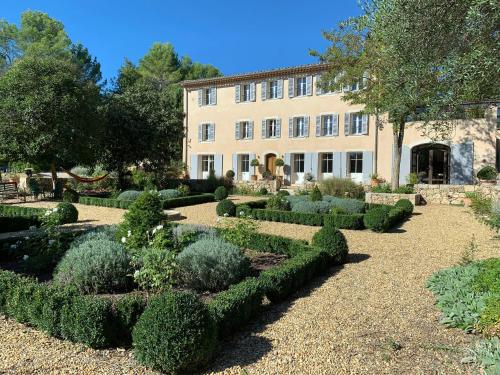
<point x="356" y="124"/>
<point x="246" y="92"/>
<point x="358" y="159"/>
<point x="205" y="132"/>
<point x="245" y="163"/>
<point x="299" y="127"/>
<point x="299" y="160"/>
<point x="273" y="89"/>
<point x="327" y="159"/>
<point x="207" y="161"/>
<point x="244" y="129"/>
<point x="325" y="125"/>
<point x="301" y="86"/>
<point x="271" y="124"/>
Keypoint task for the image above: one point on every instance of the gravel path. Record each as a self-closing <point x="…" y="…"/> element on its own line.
<point x="373" y="316"/>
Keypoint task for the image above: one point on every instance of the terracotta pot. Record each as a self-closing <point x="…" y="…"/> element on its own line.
<point x="467" y="202"/>
<point x="375" y="182"/>
<point x="254" y="177"/>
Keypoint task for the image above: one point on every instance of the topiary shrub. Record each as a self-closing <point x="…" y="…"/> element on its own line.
<point x="129" y="195"/>
<point x="283" y="193"/>
<point x="70" y="196"/>
<point x="406" y="205"/>
<point x="333" y="242"/>
<point x="175" y="334"/>
<point x="127" y="311"/>
<point x="487" y="173"/>
<point x="169" y="194"/>
<point x="376" y="218"/>
<point x="66" y="213"/>
<point x="230" y="174"/>
<point x="316" y="194"/>
<point x="97" y="265"/>
<point x="143" y="215"/>
<point x="263" y="191"/>
<point x="278" y="202"/>
<point x="226" y="208"/>
<point x="221" y="193"/>
<point x="212" y="264"/>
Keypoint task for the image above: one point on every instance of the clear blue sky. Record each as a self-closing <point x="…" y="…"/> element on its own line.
<point x="235" y="36"/>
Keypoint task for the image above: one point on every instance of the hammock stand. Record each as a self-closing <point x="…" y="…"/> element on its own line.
<point x="85" y="180"/>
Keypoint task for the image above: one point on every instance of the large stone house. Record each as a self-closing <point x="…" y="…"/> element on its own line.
<point x="283" y="114"/>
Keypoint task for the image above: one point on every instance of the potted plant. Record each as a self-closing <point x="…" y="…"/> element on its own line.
<point x="487" y="175"/>
<point x="279" y="163"/>
<point x="254" y="163"/>
<point x="374" y="180"/>
<point x="267" y="175"/>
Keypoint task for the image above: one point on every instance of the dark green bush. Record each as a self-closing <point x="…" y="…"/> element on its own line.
<point x="190" y="200"/>
<point x="127" y="311"/>
<point x="376" y="218"/>
<point x="105" y="202"/>
<point x="382" y="188"/>
<point x="88" y="319"/>
<point x="406" y="205"/>
<point x="487" y="173"/>
<point x="70" y="196"/>
<point x="97" y="265"/>
<point x="278" y="202"/>
<point x="234" y="307"/>
<point x="263" y="191"/>
<point x="212" y="264"/>
<point x="342" y="221"/>
<point x="230" y="174"/>
<point x="226" y="208"/>
<point x="283" y="193"/>
<point x="67" y="213"/>
<point x="316" y="194"/>
<point x="288" y="217"/>
<point x="8" y="210"/>
<point x="407" y="189"/>
<point x="175" y="334"/>
<point x="270" y="243"/>
<point x="221" y="193"/>
<point x="332" y="241"/>
<point x="17" y="223"/>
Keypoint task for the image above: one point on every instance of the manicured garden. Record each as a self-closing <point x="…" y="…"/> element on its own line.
<point x="147" y="283"/>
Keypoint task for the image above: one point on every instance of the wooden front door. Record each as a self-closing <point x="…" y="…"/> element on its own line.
<point x="271" y="164"/>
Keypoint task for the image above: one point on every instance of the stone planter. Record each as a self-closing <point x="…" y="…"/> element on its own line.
<point x="392" y="198"/>
<point x="254" y="177"/>
<point x="488" y="182"/>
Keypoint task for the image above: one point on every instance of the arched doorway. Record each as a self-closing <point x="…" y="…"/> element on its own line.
<point x="271" y="163"/>
<point x="431" y="163"/>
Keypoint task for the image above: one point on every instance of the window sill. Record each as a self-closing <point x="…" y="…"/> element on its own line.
<point x="244" y="139"/>
<point x="300" y="96"/>
<point x="270" y="99"/>
<point x="270" y="138"/>
<point x="326" y="136"/>
<point x="246" y="102"/>
<point x="355" y="135"/>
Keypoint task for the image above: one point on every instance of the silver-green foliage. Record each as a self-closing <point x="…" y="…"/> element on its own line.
<point x="460" y="303"/>
<point x="486" y="354"/>
<point x="169" y="194"/>
<point x="212" y="264"/>
<point x="302" y="203"/>
<point x="97" y="265"/>
<point x="129" y="195"/>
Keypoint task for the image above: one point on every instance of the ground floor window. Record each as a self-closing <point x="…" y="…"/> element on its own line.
<point x="327" y="162"/>
<point x="245" y="163"/>
<point x="298" y="163"/>
<point x="207" y="163"/>
<point x="355" y="162"/>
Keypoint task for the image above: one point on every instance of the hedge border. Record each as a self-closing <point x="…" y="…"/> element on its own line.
<point x="167" y="203"/>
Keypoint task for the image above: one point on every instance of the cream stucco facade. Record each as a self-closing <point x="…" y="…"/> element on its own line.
<point x="283" y="114"/>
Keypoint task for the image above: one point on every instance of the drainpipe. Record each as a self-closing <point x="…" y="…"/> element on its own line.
<point x="186" y="114"/>
<point x="375" y="156"/>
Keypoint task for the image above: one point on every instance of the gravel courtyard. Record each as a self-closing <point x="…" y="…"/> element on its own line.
<point x="372" y="316"/>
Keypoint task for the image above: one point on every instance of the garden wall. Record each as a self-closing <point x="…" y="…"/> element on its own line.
<point x="392" y="198"/>
<point x="454" y="194"/>
<point x="270" y="185"/>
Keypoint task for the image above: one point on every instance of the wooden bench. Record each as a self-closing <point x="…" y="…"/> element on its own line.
<point x="8" y="189"/>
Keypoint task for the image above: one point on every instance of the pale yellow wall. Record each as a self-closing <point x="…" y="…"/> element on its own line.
<point x="226" y="112"/>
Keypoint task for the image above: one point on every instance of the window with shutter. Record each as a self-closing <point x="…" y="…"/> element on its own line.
<point x="318" y="88"/>
<point x="306" y="126"/>
<point x="263" y="88"/>
<point x="237" y="93"/>
<point x="301" y="89"/>
<point x="309" y="83"/>
<point x="237" y="132"/>
<point x="291" y="87"/>
<point x="252" y="92"/>
<point x="347" y="123"/>
<point x="278" y="128"/>
<point x="318" y="126"/>
<point x="290" y="127"/>
<point x="200" y="98"/>
<point x="213" y="96"/>
<point x="250" y="130"/>
<point x="364" y="124"/>
<point x="356" y="124"/>
<point x="264" y="130"/>
<point x="280" y="89"/>
<point x="273" y="89"/>
<point x="335" y="124"/>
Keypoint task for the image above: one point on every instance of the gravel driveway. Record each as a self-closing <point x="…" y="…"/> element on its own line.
<point x="373" y="316"/>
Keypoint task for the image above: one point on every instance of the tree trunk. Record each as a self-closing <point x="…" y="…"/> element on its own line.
<point x="54" y="175"/>
<point x="399" y="132"/>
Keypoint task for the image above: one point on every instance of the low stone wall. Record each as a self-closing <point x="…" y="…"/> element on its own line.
<point x="455" y="194"/>
<point x="390" y="198"/>
<point x="270" y="185"/>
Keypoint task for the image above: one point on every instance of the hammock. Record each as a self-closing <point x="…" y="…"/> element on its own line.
<point x="85" y="180"/>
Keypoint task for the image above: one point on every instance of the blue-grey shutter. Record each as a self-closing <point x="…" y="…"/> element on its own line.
<point x="405" y="166"/>
<point x="264" y="129"/>
<point x="364" y="124"/>
<point x="200" y="97"/>
<point x="250" y="158"/>
<point x="280" y="89"/>
<point x="319" y="91"/>
<point x="263" y="93"/>
<point x="278" y="128"/>
<point x="287" y="168"/>
<point x="235" y="166"/>
<point x="211" y="132"/>
<point x="290" y="127"/>
<point x="309" y="85"/>
<point x="462" y="163"/>
<point x="367" y="165"/>
<point x="237" y="132"/>
<point x="237" y="93"/>
<point x="337" y="164"/>
<point x="252" y="91"/>
<point x="347" y="123"/>
<point x="218" y="165"/>
<point x="307" y="162"/>
<point x="250" y="130"/>
<point x="306" y="126"/>
<point x="318" y="126"/>
<point x="193" y="170"/>
<point x="314" y="164"/>
<point x="213" y="96"/>
<point x="335" y="124"/>
<point x="343" y="163"/>
<point x="291" y="87"/>
<point x="200" y="132"/>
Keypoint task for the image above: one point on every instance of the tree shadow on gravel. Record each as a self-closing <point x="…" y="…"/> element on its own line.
<point x="246" y="347"/>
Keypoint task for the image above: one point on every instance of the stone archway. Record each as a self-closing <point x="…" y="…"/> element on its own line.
<point x="431" y="163"/>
